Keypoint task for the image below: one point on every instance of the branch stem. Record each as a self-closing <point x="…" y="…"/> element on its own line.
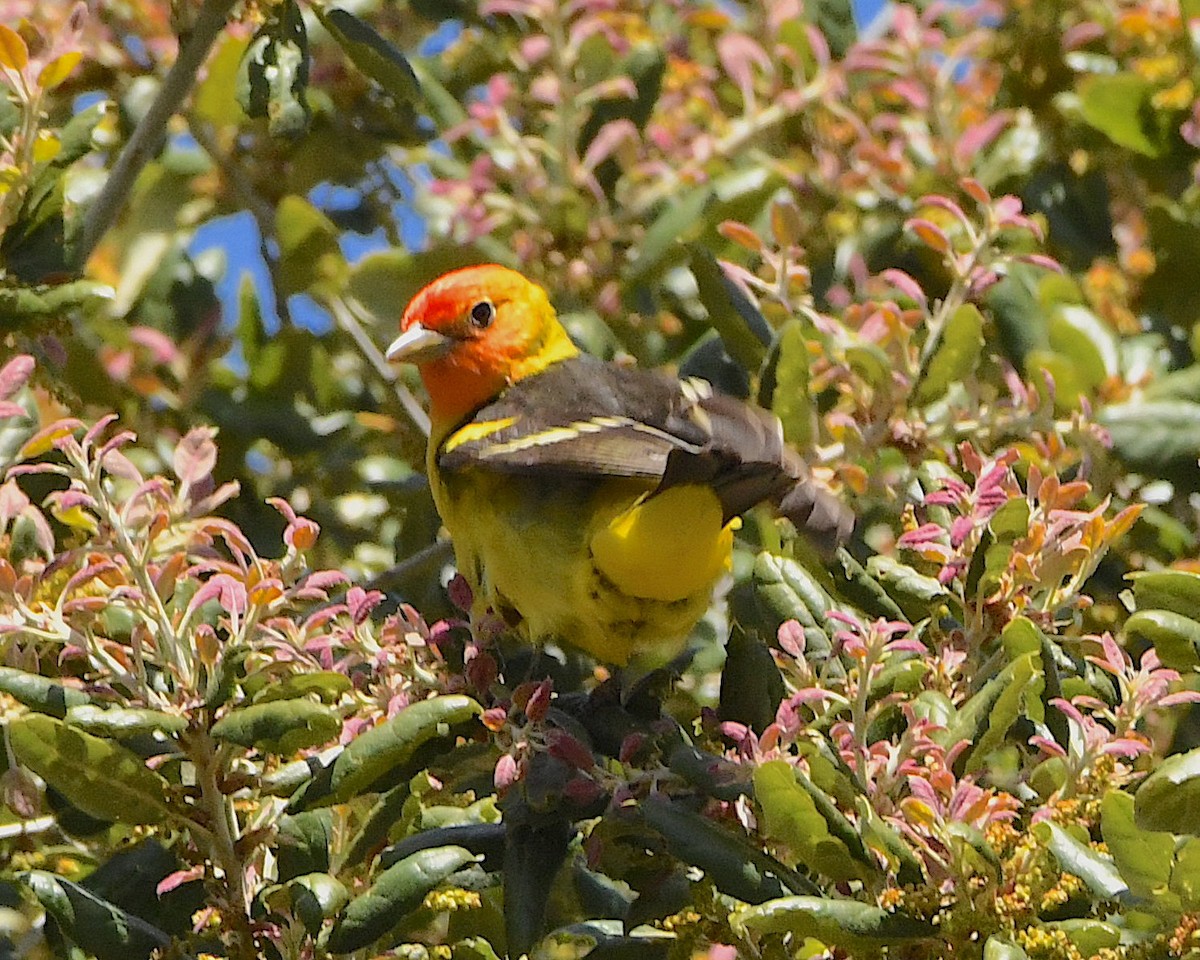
<point x="147" y="136"/>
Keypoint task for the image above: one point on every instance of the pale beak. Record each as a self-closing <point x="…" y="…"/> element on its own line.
<point x="418" y="344"/>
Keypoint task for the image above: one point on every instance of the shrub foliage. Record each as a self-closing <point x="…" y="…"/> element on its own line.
<point x="243" y="711"/>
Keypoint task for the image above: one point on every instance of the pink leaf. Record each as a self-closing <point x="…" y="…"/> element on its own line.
<point x="739" y="54"/>
<point x="611" y="137"/>
<point x="161" y="347"/>
<point x="904" y="283"/>
<point x="979" y="135"/>
<point x="195" y="456"/>
<point x="12" y="502"/>
<point x="926" y="533"/>
<point x="178" y="878"/>
<point x="14" y="374"/>
<point x="361" y="602"/>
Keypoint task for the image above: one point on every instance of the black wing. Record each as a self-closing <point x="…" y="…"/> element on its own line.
<point x="583" y="418"/>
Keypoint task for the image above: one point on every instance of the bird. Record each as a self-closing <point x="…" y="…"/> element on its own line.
<point x="589" y="503"/>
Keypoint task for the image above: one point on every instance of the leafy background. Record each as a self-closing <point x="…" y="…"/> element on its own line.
<point x="243" y="714"/>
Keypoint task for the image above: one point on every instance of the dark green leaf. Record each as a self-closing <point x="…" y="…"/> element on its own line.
<point x="310" y="259"/>
<point x="273" y="75"/>
<point x="101" y="778"/>
<point x="393" y="742"/>
<point x="751" y="686"/>
<point x="955" y="356"/>
<point x="1119" y="106"/>
<point x="328" y="685"/>
<point x="1142" y="857"/>
<point x="1168" y="799"/>
<point x="1076" y="857"/>
<point x="103" y="930"/>
<point x="734" y="315"/>
<point x="917" y="595"/>
<point x="681" y="219"/>
<point x="997" y="949"/>
<point x="841" y="923"/>
<point x="280" y="726"/>
<point x="806" y="820"/>
<point x="304" y="840"/>
<point x="1176" y="638"/>
<point x="124" y="721"/>
<point x="39" y="693"/>
<point x="736" y="867"/>
<point x="1151" y="436"/>
<point x="374" y="55"/>
<point x="396" y="892"/>
<point x="790" y="400"/>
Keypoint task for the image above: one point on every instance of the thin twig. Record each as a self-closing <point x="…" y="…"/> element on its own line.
<point x="346" y="313"/>
<point x="147" y="136"/>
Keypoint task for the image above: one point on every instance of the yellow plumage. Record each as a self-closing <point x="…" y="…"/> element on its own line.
<point x="589" y="504"/>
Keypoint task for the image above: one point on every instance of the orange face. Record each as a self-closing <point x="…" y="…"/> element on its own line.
<point x="474" y="331"/>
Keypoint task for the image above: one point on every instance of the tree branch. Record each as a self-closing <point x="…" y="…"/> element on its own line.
<point x="148" y="134"/>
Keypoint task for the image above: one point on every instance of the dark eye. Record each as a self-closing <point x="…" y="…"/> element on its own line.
<point x="483" y="313"/>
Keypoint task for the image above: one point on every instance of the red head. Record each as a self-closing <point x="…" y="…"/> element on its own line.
<point x="473" y="332"/>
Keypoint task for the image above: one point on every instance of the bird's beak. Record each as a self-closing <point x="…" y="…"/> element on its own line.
<point x="418" y="344"/>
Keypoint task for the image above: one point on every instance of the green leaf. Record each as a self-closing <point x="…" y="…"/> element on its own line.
<point x="313" y="897"/>
<point x="309" y="256"/>
<point x="280" y="727"/>
<point x="751" y="685"/>
<point x="39" y="693"/>
<point x="1185" y="874"/>
<point x="1020" y="317"/>
<point x="917" y="595"/>
<point x="987" y="716"/>
<point x="396" y="892"/>
<point x="955" y="357"/>
<point x="790" y="401"/>
<point x="1076" y="857"/>
<point x="997" y="949"/>
<point x="304" y="842"/>
<point x="1176" y="638"/>
<point x="859" y="587"/>
<point x="393" y="742"/>
<point x="374" y="55"/>
<point x="839" y="923"/>
<point x="1177" y="591"/>
<point x="375" y="825"/>
<point x="734" y="315"/>
<point x="799" y="815"/>
<point x="124" y="721"/>
<point x="1143" y="857"/>
<point x="735" y="866"/>
<point x="1168" y="799"/>
<point x="99" y="777"/>
<point x="102" y="929"/>
<point x="535" y="847"/>
<point x="680" y="219"/>
<point x="790" y="591"/>
<point x="1119" y="106"/>
<point x="328" y="685"/>
<point x="215" y="99"/>
<point x="1077" y="333"/>
<point x="1088" y="936"/>
<point x="835" y="19"/>
<point x="871" y="362"/>
<point x="1151" y="436"/>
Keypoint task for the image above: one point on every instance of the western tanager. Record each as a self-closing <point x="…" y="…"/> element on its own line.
<point x="588" y="502"/>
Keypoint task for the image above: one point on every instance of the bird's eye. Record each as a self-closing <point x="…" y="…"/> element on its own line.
<point x="483" y="313"/>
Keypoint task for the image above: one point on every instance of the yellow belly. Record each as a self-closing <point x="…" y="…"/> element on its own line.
<point x="593" y="565"/>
